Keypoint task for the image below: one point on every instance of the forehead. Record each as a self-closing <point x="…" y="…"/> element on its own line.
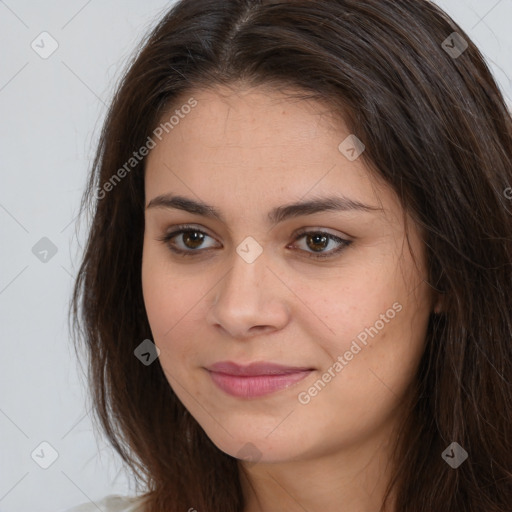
<point x="262" y="144"/>
<point x="257" y="117"/>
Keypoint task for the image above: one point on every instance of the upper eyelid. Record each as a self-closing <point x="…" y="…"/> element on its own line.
<point x="343" y="241"/>
<point x="298" y="232"/>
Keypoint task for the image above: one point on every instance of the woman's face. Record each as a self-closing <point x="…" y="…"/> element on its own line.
<point x="251" y="287"/>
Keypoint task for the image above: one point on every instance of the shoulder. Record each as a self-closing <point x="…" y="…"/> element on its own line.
<point x="113" y="503"/>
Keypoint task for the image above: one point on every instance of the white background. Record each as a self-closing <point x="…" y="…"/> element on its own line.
<point x="51" y="113"/>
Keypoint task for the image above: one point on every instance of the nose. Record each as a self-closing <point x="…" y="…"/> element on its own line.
<point x="250" y="300"/>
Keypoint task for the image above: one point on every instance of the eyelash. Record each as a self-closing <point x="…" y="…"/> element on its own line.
<point x="181" y="229"/>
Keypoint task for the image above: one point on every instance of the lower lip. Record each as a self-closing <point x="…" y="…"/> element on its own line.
<point x="256" y="385"/>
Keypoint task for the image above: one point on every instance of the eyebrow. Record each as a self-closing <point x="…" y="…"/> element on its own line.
<point x="275" y="216"/>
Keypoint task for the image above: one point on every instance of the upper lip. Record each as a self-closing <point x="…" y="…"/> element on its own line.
<point x="258" y="368"/>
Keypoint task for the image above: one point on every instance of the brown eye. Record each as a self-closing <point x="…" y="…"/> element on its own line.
<point x="193" y="239"/>
<point x="318" y="241"/>
<point x="191" y="242"/>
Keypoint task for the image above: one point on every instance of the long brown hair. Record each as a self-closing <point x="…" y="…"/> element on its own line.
<point x="435" y="127"/>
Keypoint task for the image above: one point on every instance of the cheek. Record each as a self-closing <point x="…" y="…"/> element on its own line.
<point x="174" y="306"/>
<point x="380" y="353"/>
<point x="352" y="308"/>
<point x="164" y="294"/>
<point x="380" y="331"/>
<point x="368" y="383"/>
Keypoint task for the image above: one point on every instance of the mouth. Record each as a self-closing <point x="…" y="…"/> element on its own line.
<point x="256" y="379"/>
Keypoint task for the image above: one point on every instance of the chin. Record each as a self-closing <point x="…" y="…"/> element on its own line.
<point x="256" y="442"/>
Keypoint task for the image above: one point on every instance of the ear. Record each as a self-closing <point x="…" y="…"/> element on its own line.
<point x="439" y="303"/>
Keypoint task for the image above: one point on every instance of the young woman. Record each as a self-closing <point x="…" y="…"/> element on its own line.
<point x="295" y="293"/>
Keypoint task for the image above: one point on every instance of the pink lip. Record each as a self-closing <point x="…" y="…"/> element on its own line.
<point x="256" y="379"/>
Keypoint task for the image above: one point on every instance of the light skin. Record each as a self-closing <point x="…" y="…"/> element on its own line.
<point x="246" y="151"/>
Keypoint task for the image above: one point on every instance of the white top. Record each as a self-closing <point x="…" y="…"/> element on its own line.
<point x="112" y="503"/>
